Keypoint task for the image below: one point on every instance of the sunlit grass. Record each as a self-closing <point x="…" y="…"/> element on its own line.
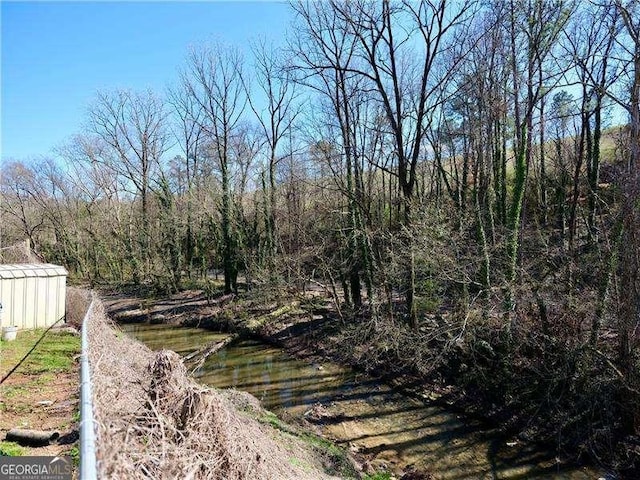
<point x="54" y="354"/>
<point x="10" y="449"/>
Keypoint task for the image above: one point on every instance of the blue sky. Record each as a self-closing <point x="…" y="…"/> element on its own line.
<point x="56" y="55"/>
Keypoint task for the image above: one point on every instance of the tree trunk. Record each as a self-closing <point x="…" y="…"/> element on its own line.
<point x="228" y="250"/>
<point x="630" y="258"/>
<point x="593" y="170"/>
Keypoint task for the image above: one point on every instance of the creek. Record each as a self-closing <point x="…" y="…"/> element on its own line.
<point x="358" y="411"/>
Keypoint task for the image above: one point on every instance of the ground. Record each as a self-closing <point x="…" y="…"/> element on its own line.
<point x="42" y="392"/>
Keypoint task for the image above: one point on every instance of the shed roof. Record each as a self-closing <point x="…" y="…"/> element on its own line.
<point x="22" y="270"/>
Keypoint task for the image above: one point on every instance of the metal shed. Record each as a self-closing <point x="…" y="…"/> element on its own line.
<point x="32" y="295"/>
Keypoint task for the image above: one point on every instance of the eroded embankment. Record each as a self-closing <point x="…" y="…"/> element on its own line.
<point x="155" y="422"/>
<point x="435" y="441"/>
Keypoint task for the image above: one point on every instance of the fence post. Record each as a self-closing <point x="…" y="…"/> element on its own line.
<point x="88" y="467"/>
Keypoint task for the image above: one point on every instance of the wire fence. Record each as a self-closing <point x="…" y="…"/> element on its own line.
<point x="88" y="466"/>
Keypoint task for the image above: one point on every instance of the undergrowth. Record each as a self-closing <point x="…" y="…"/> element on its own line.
<point x="10" y="449"/>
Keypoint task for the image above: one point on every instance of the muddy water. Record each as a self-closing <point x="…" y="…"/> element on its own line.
<point x="397" y="431"/>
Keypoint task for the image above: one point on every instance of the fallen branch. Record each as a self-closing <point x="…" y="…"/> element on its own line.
<point x="208" y="350"/>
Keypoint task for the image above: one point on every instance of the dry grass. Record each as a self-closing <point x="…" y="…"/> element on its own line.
<point x="155" y="422"/>
<point x="77" y="303"/>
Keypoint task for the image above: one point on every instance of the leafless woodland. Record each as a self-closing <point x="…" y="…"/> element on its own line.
<point x="467" y="169"/>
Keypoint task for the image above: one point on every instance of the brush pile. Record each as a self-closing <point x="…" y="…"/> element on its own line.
<point x="156" y="422"/>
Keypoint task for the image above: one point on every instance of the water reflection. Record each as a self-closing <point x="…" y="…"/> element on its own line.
<point x="181" y="340"/>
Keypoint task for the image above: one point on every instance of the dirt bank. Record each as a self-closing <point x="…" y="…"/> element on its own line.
<point x="154" y="421"/>
<point x="308" y="328"/>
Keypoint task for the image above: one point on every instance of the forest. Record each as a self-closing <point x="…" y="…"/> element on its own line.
<point x="461" y="178"/>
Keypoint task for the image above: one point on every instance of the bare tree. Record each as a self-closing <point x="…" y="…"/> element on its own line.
<point x="409" y="91"/>
<point x="629" y="312"/>
<point x="213" y="79"/>
<point x="134" y="126"/>
<point x="190" y="136"/>
<point x="100" y="205"/>
<point x="16" y="201"/>
<point x="590" y="45"/>
<point x="276" y="120"/>
<point x="325" y="50"/>
<point x="534" y="28"/>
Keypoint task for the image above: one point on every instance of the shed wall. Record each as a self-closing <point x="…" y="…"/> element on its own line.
<point x="32" y="296"/>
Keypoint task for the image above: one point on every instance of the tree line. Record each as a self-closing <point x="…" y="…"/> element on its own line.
<point x="414" y="158"/>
